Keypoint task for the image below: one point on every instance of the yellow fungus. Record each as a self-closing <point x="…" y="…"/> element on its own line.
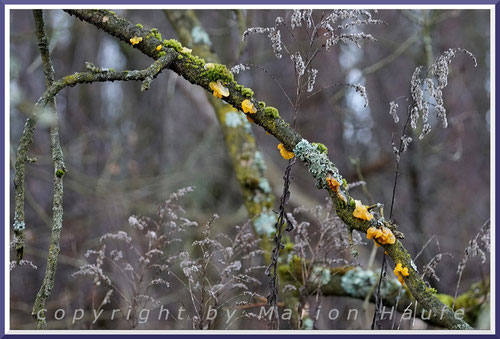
<point x="401" y="272"/>
<point x="135" y="40"/>
<point x="333" y="184"/>
<point x="361" y="212"/>
<point x="248" y="107"/>
<point x="284" y="153"/>
<point x="219" y="89"/>
<point x="381" y="236"/>
<point x="372" y="232"/>
<point x="158" y="48"/>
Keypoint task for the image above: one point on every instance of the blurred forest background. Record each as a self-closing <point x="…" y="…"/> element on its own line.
<point x="126" y="151"/>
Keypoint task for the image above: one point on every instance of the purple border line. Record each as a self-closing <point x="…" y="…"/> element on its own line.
<point x="2" y="185"/>
<point x="255" y="2"/>
<point x="3" y="3"/>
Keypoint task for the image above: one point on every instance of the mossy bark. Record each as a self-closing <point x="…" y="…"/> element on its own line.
<point x="59" y="167"/>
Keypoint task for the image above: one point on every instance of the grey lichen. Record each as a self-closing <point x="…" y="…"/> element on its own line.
<point x="264" y="223"/>
<point x="321" y="275"/>
<point x="358" y="282"/>
<point x="234" y="119"/>
<point x="391" y="288"/>
<point x="19" y="225"/>
<point x="200" y="36"/>
<point x="308" y="324"/>
<point x="247" y="125"/>
<point x="264" y="185"/>
<point x="259" y="161"/>
<point x="318" y="163"/>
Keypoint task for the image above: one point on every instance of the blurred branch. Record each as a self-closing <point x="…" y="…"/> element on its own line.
<point x="342" y="284"/>
<point x="247" y="160"/>
<point x="319" y="165"/>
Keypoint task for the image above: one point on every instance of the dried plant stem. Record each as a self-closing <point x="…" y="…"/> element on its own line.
<point x="272" y="270"/>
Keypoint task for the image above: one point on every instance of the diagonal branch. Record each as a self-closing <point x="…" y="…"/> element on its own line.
<point x="191" y="68"/>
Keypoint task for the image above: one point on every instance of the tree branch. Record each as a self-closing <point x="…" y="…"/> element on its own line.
<point x="59" y="170"/>
<point x="94" y="75"/>
<point x="318" y="163"/>
<point x="354" y="282"/>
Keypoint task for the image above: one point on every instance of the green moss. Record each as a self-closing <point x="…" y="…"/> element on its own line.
<point x="60" y="173"/>
<point x="289" y="246"/>
<point x="320" y="147"/>
<point x="139" y="26"/>
<point x="271" y="112"/>
<point x="247" y="93"/>
<point x="162" y="53"/>
<point x="154" y="33"/>
<point x="344" y="184"/>
<point x="352" y="202"/>
<point x="196" y="60"/>
<point x="467" y="301"/>
<point x="431" y="290"/>
<point x="218" y="72"/>
<point x="172" y="43"/>
<point x="180" y="57"/>
<point x="261" y="104"/>
<point x="445" y="299"/>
